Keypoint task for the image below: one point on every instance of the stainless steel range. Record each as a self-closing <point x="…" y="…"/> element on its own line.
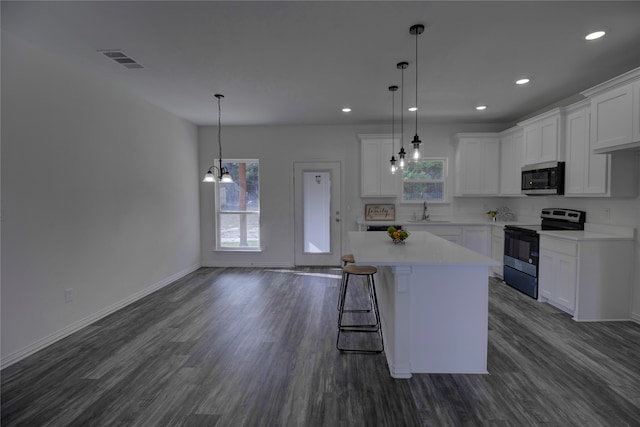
<point x="522" y="244"/>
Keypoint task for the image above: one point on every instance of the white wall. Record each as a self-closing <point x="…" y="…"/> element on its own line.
<point x="277" y="148"/>
<point x="99" y="195"/>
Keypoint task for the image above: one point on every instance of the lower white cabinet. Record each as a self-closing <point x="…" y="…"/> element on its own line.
<point x="497" y="249"/>
<point x="452" y="233"/>
<point x="477" y="238"/>
<point x="558" y="279"/>
<point x="474" y="237"/>
<point x="590" y="279"/>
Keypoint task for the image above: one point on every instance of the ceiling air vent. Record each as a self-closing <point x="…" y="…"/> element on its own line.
<point x="121" y="58"/>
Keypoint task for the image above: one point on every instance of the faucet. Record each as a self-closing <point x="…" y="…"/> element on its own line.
<point x="425" y="215"/>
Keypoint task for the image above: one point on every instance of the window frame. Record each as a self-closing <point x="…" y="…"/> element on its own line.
<point x="220" y="213"/>
<point x="444" y="181"/>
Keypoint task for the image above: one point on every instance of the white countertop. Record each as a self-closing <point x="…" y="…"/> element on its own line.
<point x="421" y="248"/>
<point x="452" y="222"/>
<point x="581" y="235"/>
<point x="593" y="232"/>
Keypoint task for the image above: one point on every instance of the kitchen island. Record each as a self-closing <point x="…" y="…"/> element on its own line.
<point x="434" y="299"/>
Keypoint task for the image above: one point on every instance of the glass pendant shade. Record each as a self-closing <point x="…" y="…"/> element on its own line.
<point x="394" y="168"/>
<point x="416" y="147"/>
<point x="225" y="177"/>
<point x="209" y="177"/>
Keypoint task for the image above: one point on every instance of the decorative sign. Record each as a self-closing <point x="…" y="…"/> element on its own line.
<point x="379" y="212"/>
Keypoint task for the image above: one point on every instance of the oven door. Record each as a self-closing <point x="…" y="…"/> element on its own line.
<point x="521" y="250"/>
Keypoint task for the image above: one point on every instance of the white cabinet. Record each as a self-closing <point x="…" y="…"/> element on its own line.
<point x="543" y="138"/>
<point x="635" y="131"/>
<point x="511" y="160"/>
<point x="590" y="279"/>
<point x="558" y="279"/>
<point x="477" y="238"/>
<point x="376" y="179"/>
<point x="589" y="174"/>
<point x="612" y="117"/>
<point x="615" y="113"/>
<point x="452" y="233"/>
<point x="477" y="168"/>
<point x="497" y="249"/>
<point x="474" y="237"/>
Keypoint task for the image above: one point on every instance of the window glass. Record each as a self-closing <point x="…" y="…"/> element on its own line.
<point x="425" y="179"/>
<point x="238" y="207"/>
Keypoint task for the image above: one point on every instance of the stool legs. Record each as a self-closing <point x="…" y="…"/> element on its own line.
<point x="359" y="328"/>
<point x="342" y="295"/>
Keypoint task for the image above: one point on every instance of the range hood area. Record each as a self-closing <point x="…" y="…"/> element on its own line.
<point x="630" y="147"/>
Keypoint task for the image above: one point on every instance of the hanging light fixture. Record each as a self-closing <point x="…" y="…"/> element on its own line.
<point x="416" y="30"/>
<point x="402" y="66"/>
<point x="224" y="176"/>
<point x="393" y="90"/>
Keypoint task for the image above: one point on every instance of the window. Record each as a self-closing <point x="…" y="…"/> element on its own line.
<point x="238" y="207"/>
<point x="425" y="180"/>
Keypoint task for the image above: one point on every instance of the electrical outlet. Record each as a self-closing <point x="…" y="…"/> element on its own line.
<point x="607" y="213"/>
<point x="68" y="295"/>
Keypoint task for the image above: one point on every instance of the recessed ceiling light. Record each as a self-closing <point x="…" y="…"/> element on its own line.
<point x="522" y="81"/>
<point x="413" y="108"/>
<point x="595" y="35"/>
<point x="346" y="110"/>
<point x="481" y="107"/>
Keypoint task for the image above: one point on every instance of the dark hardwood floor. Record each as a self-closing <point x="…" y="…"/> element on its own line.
<point x="256" y="347"/>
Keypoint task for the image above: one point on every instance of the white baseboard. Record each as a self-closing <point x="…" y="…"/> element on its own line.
<point x="635" y="317"/>
<point x="249" y="265"/>
<point x="12" y="358"/>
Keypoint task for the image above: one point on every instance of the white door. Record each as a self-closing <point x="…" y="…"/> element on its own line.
<point x="317" y="227"/>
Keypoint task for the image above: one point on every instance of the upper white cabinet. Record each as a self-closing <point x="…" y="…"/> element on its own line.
<point x="376" y="179"/>
<point x="589" y="174"/>
<point x="615" y="113"/>
<point x="477" y="164"/>
<point x="511" y="158"/>
<point x="543" y="138"/>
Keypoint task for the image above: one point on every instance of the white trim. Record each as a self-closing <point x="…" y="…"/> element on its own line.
<point x="249" y="264"/>
<point x="12" y="358"/>
<point x="612" y="83"/>
<point x="635" y="317"/>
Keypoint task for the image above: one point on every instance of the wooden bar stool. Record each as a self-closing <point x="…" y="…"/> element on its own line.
<point x="346" y="259"/>
<point x="368" y="271"/>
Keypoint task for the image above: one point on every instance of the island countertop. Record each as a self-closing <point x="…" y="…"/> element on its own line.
<point x="421" y="248"/>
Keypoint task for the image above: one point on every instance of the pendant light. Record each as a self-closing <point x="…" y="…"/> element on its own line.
<point x="402" y="66"/>
<point x="224" y="177"/>
<point x="416" y="30"/>
<point x="393" y="90"/>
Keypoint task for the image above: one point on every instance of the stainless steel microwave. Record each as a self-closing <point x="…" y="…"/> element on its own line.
<point x="543" y="179"/>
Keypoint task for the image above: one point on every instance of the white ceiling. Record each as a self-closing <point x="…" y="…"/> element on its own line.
<point x="300" y="62"/>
